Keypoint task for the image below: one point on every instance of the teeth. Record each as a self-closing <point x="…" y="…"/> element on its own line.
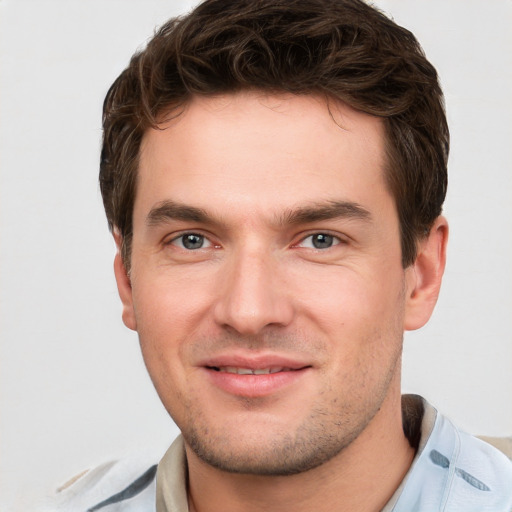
<point x="262" y="371"/>
<point x="249" y="371"/>
<point x="243" y="371"/>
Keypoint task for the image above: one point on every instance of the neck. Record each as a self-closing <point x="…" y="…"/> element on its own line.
<point x="363" y="476"/>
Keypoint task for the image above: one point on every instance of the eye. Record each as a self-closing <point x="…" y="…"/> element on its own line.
<point x="319" y="241"/>
<point x="191" y="241"/>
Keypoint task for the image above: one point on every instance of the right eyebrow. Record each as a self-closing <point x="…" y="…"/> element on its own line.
<point x="170" y="210"/>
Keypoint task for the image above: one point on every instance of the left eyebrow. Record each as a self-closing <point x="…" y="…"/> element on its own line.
<point x="329" y="211"/>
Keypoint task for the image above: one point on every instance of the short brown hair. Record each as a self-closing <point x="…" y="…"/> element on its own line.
<point x="343" y="49"/>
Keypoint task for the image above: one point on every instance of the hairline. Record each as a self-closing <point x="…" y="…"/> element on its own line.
<point x="174" y="111"/>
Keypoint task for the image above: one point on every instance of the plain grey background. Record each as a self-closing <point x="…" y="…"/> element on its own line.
<point x="73" y="389"/>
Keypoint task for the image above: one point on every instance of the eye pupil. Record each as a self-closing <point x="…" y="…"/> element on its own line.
<point x="192" y="241"/>
<point x="322" y="241"/>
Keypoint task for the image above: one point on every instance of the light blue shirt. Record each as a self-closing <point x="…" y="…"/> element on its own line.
<point x="454" y="472"/>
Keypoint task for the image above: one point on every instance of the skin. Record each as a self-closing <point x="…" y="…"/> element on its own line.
<point x="295" y="257"/>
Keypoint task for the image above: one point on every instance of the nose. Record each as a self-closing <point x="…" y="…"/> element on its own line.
<point x="253" y="294"/>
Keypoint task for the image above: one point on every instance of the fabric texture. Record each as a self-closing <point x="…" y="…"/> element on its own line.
<point x="451" y="472"/>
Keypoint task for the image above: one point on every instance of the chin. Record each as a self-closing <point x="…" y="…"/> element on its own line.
<point x="267" y="453"/>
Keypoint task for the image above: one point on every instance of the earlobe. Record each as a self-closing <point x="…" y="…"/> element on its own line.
<point x="124" y="287"/>
<point x="424" y="276"/>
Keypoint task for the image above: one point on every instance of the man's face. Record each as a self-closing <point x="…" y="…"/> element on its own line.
<point x="266" y="279"/>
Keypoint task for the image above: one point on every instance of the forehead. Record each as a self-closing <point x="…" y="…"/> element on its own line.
<point x="263" y="151"/>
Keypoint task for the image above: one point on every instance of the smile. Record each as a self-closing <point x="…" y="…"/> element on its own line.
<point x="256" y="379"/>
<point x="250" y="371"/>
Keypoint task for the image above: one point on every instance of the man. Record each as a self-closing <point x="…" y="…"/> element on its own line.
<point x="274" y="174"/>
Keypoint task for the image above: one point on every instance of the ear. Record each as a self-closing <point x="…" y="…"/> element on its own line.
<point x="424" y="276"/>
<point x="124" y="286"/>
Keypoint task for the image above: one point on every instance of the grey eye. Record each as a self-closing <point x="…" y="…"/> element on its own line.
<point x="322" y="241"/>
<point x="192" y="241"/>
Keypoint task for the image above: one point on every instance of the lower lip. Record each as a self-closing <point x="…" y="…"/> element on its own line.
<point x="253" y="386"/>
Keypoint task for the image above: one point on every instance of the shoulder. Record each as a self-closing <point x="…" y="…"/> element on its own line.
<point x="477" y="476"/>
<point x="482" y="473"/>
<point x="454" y="471"/>
<point x="128" y="483"/>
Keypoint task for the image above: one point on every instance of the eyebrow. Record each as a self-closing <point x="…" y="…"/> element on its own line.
<point x="329" y="211"/>
<point x="171" y="210"/>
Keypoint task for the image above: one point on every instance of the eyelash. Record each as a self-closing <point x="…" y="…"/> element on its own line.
<point x="182" y="236"/>
<point x="335" y="240"/>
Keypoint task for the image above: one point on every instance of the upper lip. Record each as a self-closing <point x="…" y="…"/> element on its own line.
<point x="254" y="361"/>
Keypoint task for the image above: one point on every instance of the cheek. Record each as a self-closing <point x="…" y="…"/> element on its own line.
<point x="163" y="327"/>
<point x="346" y="296"/>
<point x="168" y="302"/>
<point x="360" y="316"/>
<point x="161" y="315"/>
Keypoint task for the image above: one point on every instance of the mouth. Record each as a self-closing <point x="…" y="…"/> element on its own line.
<point x="257" y="377"/>
<point x="251" y="371"/>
